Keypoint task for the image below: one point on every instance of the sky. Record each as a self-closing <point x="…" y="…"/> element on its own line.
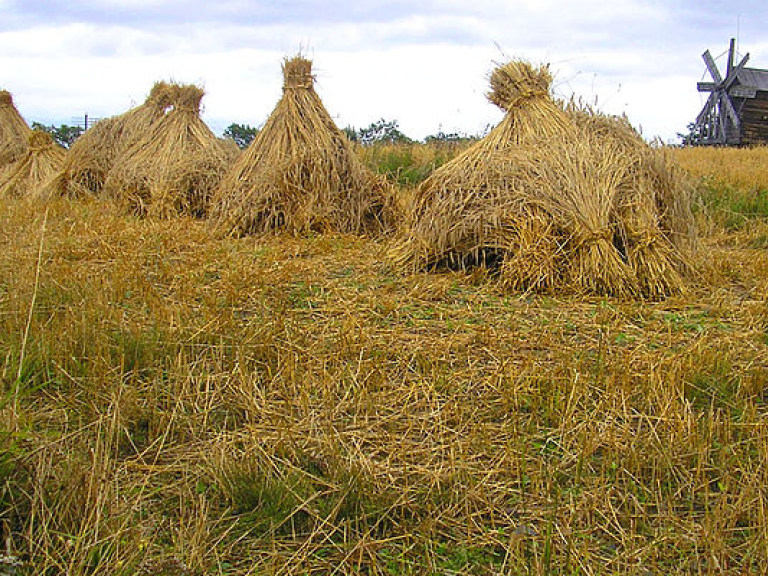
<point x="422" y="63"/>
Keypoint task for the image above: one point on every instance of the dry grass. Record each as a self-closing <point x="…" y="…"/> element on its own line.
<point x="174" y="167"/>
<point x="733" y="185"/>
<point x="559" y="198"/>
<point x="33" y="171"/>
<point x="300" y="173"/>
<point x="741" y="168"/>
<point x="13" y="131"/>
<point x="179" y="404"/>
<point x="93" y="155"/>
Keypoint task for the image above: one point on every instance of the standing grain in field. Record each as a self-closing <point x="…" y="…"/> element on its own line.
<point x="174" y="167"/>
<point x="300" y="173"/>
<point x="30" y="174"/>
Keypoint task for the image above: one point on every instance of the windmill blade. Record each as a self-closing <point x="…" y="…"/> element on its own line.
<point x="735" y="71"/>
<point x="730" y="111"/>
<point x="707" y="108"/>
<point x="731" y="56"/>
<point x="712" y="67"/>
<point x="705" y="86"/>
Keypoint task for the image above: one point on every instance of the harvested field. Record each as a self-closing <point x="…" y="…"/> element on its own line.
<point x="179" y="404"/>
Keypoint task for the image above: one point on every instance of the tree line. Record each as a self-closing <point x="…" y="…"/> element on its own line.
<point x="379" y="132"/>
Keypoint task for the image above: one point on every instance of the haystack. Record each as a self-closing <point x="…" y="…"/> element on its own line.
<point x="175" y="166"/>
<point x="300" y="172"/>
<point x="30" y="174"/>
<point x="92" y="156"/>
<point x="14" y="131"/>
<point x="549" y="200"/>
<point x="471" y="210"/>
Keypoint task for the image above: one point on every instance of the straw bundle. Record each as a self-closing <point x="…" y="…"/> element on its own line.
<point x="653" y="209"/>
<point x="470" y="209"/>
<point x="92" y="156"/>
<point x="522" y="91"/>
<point x="300" y="172"/>
<point x="39" y="164"/>
<point x="13" y="131"/>
<point x="577" y="183"/>
<point x="556" y="198"/>
<point x="174" y="167"/>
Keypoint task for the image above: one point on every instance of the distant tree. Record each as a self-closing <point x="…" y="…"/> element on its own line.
<point x="64" y="135"/>
<point x="382" y="131"/>
<point x="692" y="136"/>
<point x="242" y="134"/>
<point x="351" y="133"/>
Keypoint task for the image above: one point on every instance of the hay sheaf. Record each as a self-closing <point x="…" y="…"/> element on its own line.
<point x="92" y="156"/>
<point x="470" y="209"/>
<point x="300" y="173"/>
<point x="175" y="166"/>
<point x="14" y="131"/>
<point x="557" y="198"/>
<point x="30" y="174"/>
<point x="654" y="209"/>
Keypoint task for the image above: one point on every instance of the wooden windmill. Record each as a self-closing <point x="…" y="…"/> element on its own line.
<point x="736" y="112"/>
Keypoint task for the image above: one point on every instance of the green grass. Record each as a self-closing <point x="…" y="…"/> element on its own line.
<point x="732" y="207"/>
<point x="409" y="164"/>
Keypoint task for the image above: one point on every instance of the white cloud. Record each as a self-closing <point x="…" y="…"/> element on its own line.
<point x="424" y="63"/>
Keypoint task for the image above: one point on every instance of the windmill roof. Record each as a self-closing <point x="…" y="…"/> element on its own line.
<point x="754" y="78"/>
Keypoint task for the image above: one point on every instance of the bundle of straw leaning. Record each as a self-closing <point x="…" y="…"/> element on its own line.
<point x="14" y="131"/>
<point x="300" y="173"/>
<point x="173" y="167"/>
<point x="92" y="156"/>
<point x="653" y="208"/>
<point x="577" y="181"/>
<point x="39" y="164"/>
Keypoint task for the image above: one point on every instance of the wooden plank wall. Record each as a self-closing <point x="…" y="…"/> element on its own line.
<point x="754" y="121"/>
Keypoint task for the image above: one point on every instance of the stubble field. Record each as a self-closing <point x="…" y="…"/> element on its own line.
<point x="177" y="403"/>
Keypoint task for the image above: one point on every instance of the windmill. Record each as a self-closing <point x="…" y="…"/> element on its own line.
<point x="719" y="122"/>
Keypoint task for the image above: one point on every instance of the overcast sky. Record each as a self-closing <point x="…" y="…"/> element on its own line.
<point x="424" y="63"/>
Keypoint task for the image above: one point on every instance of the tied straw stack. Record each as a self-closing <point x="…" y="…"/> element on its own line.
<point x="31" y="173"/>
<point x="14" y="131"/>
<point x="93" y="154"/>
<point x="557" y="199"/>
<point x="174" y="166"/>
<point x="300" y="173"/>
